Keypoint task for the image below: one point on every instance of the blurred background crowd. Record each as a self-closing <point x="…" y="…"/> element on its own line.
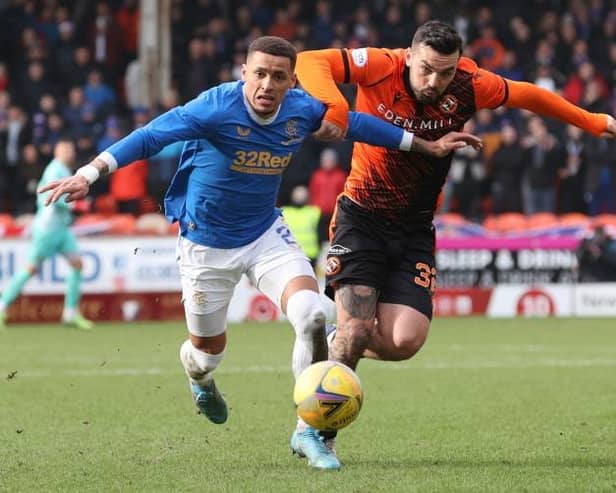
<point x="66" y="68"/>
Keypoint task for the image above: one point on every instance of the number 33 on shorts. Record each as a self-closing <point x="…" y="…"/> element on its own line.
<point x="426" y="277"/>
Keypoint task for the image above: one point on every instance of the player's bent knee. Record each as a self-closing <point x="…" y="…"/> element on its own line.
<point x="305" y="312"/>
<point x="406" y="346"/>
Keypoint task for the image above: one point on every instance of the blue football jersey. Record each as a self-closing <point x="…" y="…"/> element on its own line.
<point x="225" y="189"/>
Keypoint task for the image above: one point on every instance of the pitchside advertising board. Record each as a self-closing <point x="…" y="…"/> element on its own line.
<point x="123" y="278"/>
<point x="136" y="278"/>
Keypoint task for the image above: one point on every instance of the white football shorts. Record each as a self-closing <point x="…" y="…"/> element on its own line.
<point x="209" y="275"/>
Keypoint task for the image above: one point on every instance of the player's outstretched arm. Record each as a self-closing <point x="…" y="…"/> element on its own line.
<point x="182" y="123"/>
<point x="538" y="100"/>
<point x="374" y="131"/>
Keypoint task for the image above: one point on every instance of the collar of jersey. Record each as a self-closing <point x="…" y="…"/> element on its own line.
<point x="254" y="116"/>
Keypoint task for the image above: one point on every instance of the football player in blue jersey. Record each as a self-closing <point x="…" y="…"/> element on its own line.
<point x="239" y="138"/>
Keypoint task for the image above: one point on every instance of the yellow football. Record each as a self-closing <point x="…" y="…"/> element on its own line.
<point x="328" y="395"/>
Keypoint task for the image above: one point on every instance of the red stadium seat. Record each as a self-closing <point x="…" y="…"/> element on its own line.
<point x="148" y="205"/>
<point x="122" y="224"/>
<point x="604" y="220"/>
<point x="452" y="218"/>
<point x="6" y="221"/>
<point x="90" y="218"/>
<point x="173" y="228"/>
<point x="542" y="220"/>
<point x="152" y="223"/>
<point x="105" y="204"/>
<point x="574" y="219"/>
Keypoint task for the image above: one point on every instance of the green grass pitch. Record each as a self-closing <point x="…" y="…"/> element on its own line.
<point x="487" y="405"/>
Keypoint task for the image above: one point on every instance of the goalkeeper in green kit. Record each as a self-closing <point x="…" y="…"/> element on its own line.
<point x="51" y="235"/>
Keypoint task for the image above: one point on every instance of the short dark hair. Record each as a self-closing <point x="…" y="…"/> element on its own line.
<point x="439" y="36"/>
<point x="273" y="45"/>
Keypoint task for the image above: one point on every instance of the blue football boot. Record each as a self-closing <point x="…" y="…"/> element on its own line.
<point x="310" y="444"/>
<point x="210" y="402"/>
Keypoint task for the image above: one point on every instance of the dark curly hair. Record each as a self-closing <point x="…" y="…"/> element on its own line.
<point x="439" y="36"/>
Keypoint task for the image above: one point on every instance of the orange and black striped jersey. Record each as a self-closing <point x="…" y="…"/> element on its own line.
<point x="399" y="184"/>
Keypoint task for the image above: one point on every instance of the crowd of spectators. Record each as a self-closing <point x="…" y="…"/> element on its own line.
<point x="64" y="67"/>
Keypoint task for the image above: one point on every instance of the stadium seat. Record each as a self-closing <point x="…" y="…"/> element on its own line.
<point x="506" y="222"/>
<point x="542" y="220"/>
<point x="451" y="218"/>
<point x="490" y="223"/>
<point x="90" y="218"/>
<point x="173" y="228"/>
<point x="512" y="221"/>
<point x="6" y="220"/>
<point x="604" y="220"/>
<point x="105" y="204"/>
<point x="148" y="205"/>
<point x="24" y="220"/>
<point x="574" y="219"/>
<point x="152" y="223"/>
<point x="122" y="224"/>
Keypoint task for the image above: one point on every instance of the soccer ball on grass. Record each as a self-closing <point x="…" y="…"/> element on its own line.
<point x="328" y="395"/>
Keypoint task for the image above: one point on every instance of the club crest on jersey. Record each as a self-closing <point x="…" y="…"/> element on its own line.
<point x="292" y="133"/>
<point x="243" y="131"/>
<point x="291" y="129"/>
<point x="360" y="57"/>
<point x="332" y="266"/>
<point x="449" y="103"/>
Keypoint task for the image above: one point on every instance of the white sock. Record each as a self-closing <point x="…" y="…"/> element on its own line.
<point x="305" y="312"/>
<point x="198" y="364"/>
<point x="69" y="314"/>
<point x="301" y="425"/>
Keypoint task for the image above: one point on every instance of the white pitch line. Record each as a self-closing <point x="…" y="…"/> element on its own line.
<point x="436" y="365"/>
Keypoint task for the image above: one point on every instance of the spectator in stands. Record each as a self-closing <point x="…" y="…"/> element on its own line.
<point x="34" y="85"/>
<point x="394" y="30"/>
<point x="467" y="178"/>
<point x="82" y="65"/>
<point x="586" y="73"/>
<point x="303" y="221"/>
<point x="597" y="257"/>
<point x="487" y="49"/>
<point x="325" y="185"/>
<point x="31" y="171"/>
<point x="127" y="19"/>
<point x="507" y="165"/>
<point x="571" y="173"/>
<point x="64" y="53"/>
<point x="17" y="133"/>
<point x="105" y="41"/>
<point x="98" y="93"/>
<point x="543" y="156"/>
<point x="322" y="32"/>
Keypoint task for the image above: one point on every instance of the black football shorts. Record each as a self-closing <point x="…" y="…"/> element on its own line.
<point x="396" y="258"/>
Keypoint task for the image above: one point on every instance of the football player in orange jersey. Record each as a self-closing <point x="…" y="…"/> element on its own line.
<point x="380" y="264"/>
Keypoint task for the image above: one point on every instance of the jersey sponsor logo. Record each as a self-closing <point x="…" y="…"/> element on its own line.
<point x="332" y="266"/>
<point x="449" y="103"/>
<point x="360" y="57"/>
<point x="243" y="131"/>
<point x="338" y="250"/>
<point x="412" y="124"/>
<point x="260" y="162"/>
